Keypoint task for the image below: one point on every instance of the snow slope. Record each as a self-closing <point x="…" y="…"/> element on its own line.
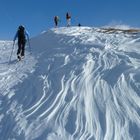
<point x="79" y="83"/>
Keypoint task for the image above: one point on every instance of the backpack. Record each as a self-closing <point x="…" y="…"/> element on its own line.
<point x="68" y="16"/>
<point x="56" y="18"/>
<point x="21" y="33"/>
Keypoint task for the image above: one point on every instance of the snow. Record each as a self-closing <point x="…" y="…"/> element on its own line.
<point x="79" y="83"/>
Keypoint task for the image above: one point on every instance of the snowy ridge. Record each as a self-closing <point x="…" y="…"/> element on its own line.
<point x="78" y="84"/>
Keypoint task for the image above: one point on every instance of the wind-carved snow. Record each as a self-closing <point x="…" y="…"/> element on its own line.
<point x="79" y="83"/>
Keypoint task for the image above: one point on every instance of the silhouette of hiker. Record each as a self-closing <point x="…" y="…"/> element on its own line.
<point x="68" y="19"/>
<point x="56" y="20"/>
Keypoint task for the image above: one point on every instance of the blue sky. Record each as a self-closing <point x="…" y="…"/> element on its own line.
<point x="37" y="15"/>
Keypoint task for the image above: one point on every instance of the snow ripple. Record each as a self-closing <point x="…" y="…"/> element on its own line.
<point x="85" y="86"/>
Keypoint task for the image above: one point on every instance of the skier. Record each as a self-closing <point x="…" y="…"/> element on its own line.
<point x="68" y="19"/>
<point x="56" y="20"/>
<point x="22" y="35"/>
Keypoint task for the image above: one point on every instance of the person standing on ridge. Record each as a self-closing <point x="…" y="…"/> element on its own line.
<point x="68" y="18"/>
<point x="79" y="25"/>
<point x="56" y="20"/>
<point x="22" y="36"/>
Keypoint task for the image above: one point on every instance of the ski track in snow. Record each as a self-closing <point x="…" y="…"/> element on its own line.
<point x="78" y="84"/>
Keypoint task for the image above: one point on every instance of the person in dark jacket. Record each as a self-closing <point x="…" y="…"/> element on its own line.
<point x="79" y="25"/>
<point x="56" y="20"/>
<point x="22" y="36"/>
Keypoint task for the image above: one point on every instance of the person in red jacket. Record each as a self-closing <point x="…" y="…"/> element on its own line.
<point x="68" y="18"/>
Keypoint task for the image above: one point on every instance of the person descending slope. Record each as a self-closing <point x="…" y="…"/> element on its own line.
<point x="68" y="18"/>
<point x="22" y="36"/>
<point x="56" y="20"/>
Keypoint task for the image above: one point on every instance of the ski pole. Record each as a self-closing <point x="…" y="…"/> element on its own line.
<point x="12" y="52"/>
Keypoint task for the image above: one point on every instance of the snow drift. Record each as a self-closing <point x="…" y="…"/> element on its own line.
<point x="79" y="83"/>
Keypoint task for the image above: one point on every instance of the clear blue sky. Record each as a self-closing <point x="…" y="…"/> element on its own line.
<point x="37" y="15"/>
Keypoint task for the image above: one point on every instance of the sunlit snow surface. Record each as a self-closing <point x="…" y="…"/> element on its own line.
<point x="78" y="84"/>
